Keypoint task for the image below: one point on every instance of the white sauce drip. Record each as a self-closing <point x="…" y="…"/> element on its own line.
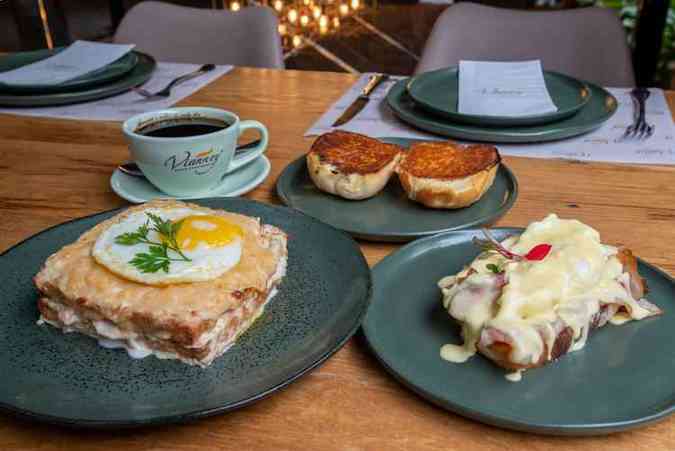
<point x="516" y="376"/>
<point x="540" y="297"/>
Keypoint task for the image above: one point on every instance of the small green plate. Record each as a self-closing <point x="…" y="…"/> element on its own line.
<point x="622" y="379"/>
<point x="141" y="72"/>
<point x="390" y="215"/>
<point x="105" y="74"/>
<point x="438" y="92"/>
<point x="600" y="107"/>
<point x="68" y="379"/>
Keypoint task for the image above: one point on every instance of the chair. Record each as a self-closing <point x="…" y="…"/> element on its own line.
<point x="587" y="43"/>
<point x="180" y="34"/>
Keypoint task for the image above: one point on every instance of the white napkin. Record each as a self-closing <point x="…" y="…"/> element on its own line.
<point x="503" y="89"/>
<point x="78" y="59"/>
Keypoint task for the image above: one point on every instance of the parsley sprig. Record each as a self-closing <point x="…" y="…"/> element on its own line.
<point x="157" y="258"/>
<point x="497" y="269"/>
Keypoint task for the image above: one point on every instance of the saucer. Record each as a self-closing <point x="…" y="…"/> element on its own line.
<point x="138" y="189"/>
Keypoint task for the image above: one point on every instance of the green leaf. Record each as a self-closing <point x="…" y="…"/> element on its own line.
<point x="131" y="238"/>
<point x="157" y="258"/>
<point x="127" y="239"/>
<point x="494" y="268"/>
<point x="164" y="228"/>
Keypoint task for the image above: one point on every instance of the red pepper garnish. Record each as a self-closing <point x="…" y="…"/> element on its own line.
<point x="538" y="252"/>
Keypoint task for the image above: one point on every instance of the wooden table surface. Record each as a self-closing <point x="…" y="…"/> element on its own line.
<point x="55" y="170"/>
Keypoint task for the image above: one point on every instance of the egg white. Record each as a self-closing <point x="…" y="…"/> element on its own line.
<point x="206" y="263"/>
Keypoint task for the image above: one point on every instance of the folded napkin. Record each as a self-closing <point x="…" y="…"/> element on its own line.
<point x="513" y="89"/>
<point x="78" y="59"/>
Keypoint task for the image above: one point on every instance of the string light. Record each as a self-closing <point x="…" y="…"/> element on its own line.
<point x="316" y="12"/>
<point x="303" y="19"/>
<point x="292" y="15"/>
<point x="235" y="6"/>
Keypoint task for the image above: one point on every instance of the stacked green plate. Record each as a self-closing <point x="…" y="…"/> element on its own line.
<point x="131" y="70"/>
<point x="429" y="102"/>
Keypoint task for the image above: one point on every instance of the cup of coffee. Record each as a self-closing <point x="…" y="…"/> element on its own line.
<point x="189" y="151"/>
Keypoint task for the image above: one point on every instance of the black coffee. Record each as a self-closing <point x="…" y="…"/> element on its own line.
<point x="181" y="128"/>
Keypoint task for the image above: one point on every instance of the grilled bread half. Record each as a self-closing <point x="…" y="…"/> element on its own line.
<point x="351" y="165"/>
<point x="447" y="174"/>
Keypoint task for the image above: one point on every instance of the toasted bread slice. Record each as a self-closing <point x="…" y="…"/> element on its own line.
<point x="351" y="165"/>
<point x="447" y="174"/>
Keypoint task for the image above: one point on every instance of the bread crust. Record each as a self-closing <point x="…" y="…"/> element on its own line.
<point x="353" y="153"/>
<point x="448" y="175"/>
<point x="351" y="165"/>
<point x="182" y="313"/>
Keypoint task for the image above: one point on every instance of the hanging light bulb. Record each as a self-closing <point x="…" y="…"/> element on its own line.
<point x="304" y="20"/>
<point x="336" y="22"/>
<point x="344" y="9"/>
<point x="323" y="21"/>
<point x="316" y="12"/>
<point x="278" y="5"/>
<point x="292" y="15"/>
<point x="355" y="4"/>
<point x="305" y="2"/>
<point x="323" y="30"/>
<point x="282" y="29"/>
<point x="297" y="40"/>
<point x="235" y="6"/>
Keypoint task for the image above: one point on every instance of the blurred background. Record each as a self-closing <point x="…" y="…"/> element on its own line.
<point x="340" y="35"/>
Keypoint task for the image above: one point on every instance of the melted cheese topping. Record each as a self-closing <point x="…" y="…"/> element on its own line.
<point x="538" y="298"/>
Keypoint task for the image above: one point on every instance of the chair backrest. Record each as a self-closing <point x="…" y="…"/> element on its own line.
<point x="587" y="43"/>
<point x="180" y="34"/>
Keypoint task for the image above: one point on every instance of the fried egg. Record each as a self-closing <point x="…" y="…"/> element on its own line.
<point x="207" y="247"/>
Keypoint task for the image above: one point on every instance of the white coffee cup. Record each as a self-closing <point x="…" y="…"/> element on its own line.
<point x="196" y="163"/>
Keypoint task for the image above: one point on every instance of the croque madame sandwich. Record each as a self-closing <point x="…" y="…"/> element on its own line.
<point x="530" y="299"/>
<point x="351" y="165"/>
<point x="167" y="278"/>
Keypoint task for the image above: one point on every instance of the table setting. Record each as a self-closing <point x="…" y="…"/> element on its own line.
<point x="356" y="316"/>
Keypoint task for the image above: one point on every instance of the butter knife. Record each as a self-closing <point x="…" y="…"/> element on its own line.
<point x="361" y="100"/>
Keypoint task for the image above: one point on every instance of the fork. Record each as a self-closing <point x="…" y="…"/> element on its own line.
<point x="166" y="92"/>
<point x="639" y="129"/>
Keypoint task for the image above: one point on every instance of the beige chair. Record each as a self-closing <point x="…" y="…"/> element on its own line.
<point x="587" y="43"/>
<point x="180" y="34"/>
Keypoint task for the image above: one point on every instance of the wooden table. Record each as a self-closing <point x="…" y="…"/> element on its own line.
<point x="54" y="170"/>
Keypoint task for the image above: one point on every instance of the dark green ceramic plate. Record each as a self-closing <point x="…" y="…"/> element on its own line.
<point x="600" y="107"/>
<point x="623" y="378"/>
<point x="437" y="92"/>
<point x="105" y="74"/>
<point x="68" y="379"/>
<point x="390" y="215"/>
<point x="137" y="76"/>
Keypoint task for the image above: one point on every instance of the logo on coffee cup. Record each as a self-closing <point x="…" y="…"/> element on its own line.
<point x="201" y="162"/>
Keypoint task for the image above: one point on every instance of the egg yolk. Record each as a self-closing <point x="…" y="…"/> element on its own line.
<point x="213" y="231"/>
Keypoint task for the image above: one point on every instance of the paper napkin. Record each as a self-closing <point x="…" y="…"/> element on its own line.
<point x="78" y="59"/>
<point x="513" y="89"/>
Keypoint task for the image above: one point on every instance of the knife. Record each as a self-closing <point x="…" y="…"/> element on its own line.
<point x="361" y="100"/>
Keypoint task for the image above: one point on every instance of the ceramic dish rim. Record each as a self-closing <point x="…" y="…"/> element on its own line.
<point x="203" y="413"/>
<point x="495" y="420"/>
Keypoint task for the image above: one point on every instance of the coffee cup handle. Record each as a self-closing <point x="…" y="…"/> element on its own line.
<point x="251" y="154"/>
